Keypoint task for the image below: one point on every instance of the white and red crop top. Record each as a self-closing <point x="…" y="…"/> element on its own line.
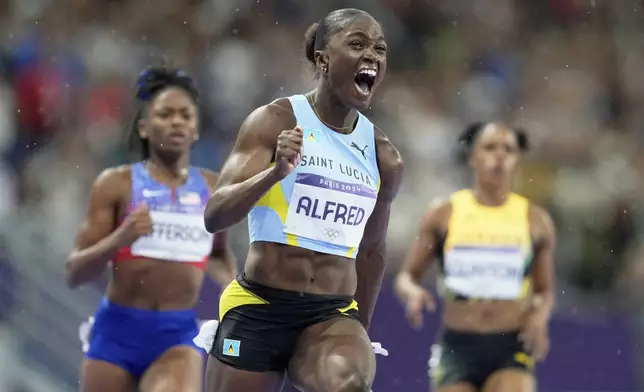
<point x="178" y="233"/>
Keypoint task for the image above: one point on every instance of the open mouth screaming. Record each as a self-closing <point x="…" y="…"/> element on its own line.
<point x="365" y="79"/>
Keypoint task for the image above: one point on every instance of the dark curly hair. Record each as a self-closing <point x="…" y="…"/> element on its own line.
<point x="150" y="84"/>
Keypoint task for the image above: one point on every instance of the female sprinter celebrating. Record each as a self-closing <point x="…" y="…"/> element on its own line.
<point x="147" y="218"/>
<point x="316" y="179"/>
<point x="495" y="250"/>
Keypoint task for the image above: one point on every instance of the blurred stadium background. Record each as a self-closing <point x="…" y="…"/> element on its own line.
<point x="571" y="72"/>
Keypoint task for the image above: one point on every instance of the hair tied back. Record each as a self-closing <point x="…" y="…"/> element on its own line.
<point x="141" y="92"/>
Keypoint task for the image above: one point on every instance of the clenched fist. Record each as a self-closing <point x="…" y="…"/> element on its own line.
<point x="137" y="224"/>
<point x="289" y="151"/>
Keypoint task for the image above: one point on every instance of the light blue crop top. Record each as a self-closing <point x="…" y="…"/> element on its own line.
<point x="325" y="203"/>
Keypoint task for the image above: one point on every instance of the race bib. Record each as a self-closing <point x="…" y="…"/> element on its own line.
<point x="485" y="273"/>
<point x="330" y="211"/>
<point x="175" y="237"/>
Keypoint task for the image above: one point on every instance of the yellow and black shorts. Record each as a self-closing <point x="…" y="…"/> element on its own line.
<point x="259" y="325"/>
<point x="473" y="357"/>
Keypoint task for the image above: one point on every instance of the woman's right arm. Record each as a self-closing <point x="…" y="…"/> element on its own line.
<point x="97" y="242"/>
<point x="407" y="284"/>
<point x="423" y="248"/>
<point x="246" y="175"/>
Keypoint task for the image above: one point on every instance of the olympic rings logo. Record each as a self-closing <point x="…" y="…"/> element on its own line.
<point x="330" y="233"/>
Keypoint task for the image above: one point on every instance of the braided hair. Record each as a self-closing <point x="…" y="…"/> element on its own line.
<point x="150" y="84"/>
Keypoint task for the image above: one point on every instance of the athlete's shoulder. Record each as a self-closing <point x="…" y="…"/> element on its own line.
<point x="437" y="213"/>
<point x="540" y="216"/>
<point x="385" y="148"/>
<point x="263" y="124"/>
<point x="278" y="111"/>
<point x="113" y="181"/>
<point x="440" y="204"/>
<point x="114" y="174"/>
<point x="211" y="176"/>
<point x="390" y="162"/>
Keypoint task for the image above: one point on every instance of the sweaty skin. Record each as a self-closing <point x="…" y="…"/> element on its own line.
<point x="168" y="123"/>
<point x="493" y="159"/>
<point x="140" y="282"/>
<point x="481" y="316"/>
<point x="246" y="177"/>
<point x="334" y="355"/>
<point x="170" y="126"/>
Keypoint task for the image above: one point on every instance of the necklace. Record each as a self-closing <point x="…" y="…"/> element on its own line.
<point x="183" y="172"/>
<point x="344" y="130"/>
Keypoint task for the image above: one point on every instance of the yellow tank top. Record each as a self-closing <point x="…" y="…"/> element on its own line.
<point x="487" y="253"/>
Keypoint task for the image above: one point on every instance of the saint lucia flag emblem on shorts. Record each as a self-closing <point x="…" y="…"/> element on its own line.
<point x="231" y="347"/>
